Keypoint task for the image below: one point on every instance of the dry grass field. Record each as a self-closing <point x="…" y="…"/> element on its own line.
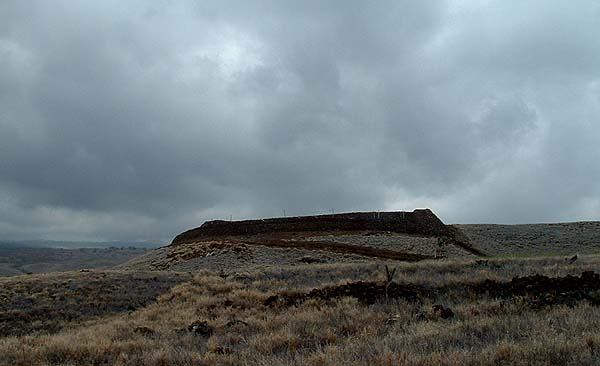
<point x="47" y="303"/>
<point x="354" y="298"/>
<point x="229" y="317"/>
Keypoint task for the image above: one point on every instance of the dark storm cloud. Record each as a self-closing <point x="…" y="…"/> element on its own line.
<point x="138" y="120"/>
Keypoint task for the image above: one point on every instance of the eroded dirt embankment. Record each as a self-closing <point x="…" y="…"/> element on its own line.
<point x="340" y="248"/>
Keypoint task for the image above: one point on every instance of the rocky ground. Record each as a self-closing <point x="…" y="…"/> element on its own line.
<point x="536" y="290"/>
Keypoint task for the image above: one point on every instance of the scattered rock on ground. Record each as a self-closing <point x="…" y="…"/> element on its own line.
<point x="221" y="350"/>
<point x="366" y="292"/>
<point x="201" y="328"/>
<point x="144" y="331"/>
<point x="546" y="291"/>
<point x="443" y="312"/>
<point x="309" y="259"/>
<point x="537" y="290"/>
<point x="234" y="322"/>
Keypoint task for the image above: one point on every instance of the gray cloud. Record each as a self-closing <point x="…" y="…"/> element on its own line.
<point x="137" y="120"/>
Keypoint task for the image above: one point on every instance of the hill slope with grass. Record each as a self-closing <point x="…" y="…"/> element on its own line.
<point x="337" y="238"/>
<point x="535" y="239"/>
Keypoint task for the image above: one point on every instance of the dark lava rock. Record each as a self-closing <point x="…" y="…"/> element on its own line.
<point x="308" y="259"/>
<point x="201" y="328"/>
<point x="545" y="291"/>
<point x="234" y="322"/>
<point x="443" y="312"/>
<point x="484" y="263"/>
<point x="419" y="316"/>
<point x="227" y="303"/>
<point x="144" y="331"/>
<point x="366" y="292"/>
<point x="538" y="291"/>
<point x="222" y="350"/>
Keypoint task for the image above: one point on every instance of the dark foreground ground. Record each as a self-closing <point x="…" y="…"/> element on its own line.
<point x="537" y="311"/>
<point x="532" y="302"/>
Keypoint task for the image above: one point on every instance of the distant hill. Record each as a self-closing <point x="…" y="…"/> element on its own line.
<point x="43" y="256"/>
<point x="535" y="239"/>
<point x="37" y="243"/>
<point x="18" y="260"/>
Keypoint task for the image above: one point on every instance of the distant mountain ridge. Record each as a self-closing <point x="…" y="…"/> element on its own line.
<point x="64" y="244"/>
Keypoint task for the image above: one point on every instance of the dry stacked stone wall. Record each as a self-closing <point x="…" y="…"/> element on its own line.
<point x="419" y="222"/>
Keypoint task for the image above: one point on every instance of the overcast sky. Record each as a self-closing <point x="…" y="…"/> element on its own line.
<point x="140" y="119"/>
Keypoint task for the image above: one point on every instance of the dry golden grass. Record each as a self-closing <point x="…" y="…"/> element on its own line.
<point x="342" y="331"/>
<point x="46" y="303"/>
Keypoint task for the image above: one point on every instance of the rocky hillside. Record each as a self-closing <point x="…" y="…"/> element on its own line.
<point x="348" y="237"/>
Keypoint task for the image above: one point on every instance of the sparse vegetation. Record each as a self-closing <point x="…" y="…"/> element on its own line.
<point x="302" y="299"/>
<point x="39" y="304"/>
<point x="231" y="325"/>
<point x="535" y="239"/>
